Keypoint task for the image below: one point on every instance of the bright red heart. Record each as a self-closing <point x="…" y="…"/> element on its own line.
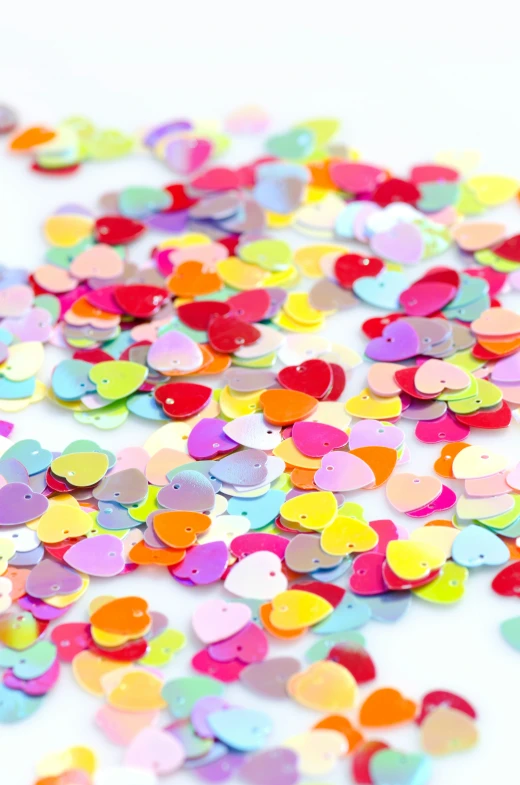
<point x="198" y="314"/>
<point x="227" y="672"/>
<point x="339" y="381"/>
<point x="182" y="399"/>
<point x="328" y="591"/>
<point x="230" y="243"/>
<point x="64" y="170"/>
<point x="509" y="249"/>
<point x="117" y="230"/>
<point x="373" y="328"/>
<point x="361" y="758"/>
<point x="180" y="199"/>
<point x="228" y="333"/>
<point x="507" y="581"/>
<point x="351" y="266"/>
<point x="57" y="483"/>
<point x="356" y="660"/>
<point x="395" y="190"/>
<point x="433" y="700"/>
<point x="140" y="300"/>
<point x="248" y="645"/>
<point x="442" y="275"/>
<point x="367" y="575"/>
<point x="70" y="639"/>
<point x="131" y="651"/>
<point x="250" y="306"/>
<point x="481" y="353"/>
<point x="93" y="356"/>
<point x="394" y="583"/>
<point x="313" y="377"/>
<point x="488" y="419"/>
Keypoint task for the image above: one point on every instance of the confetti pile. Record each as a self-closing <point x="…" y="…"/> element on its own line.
<point x="253" y="482"/>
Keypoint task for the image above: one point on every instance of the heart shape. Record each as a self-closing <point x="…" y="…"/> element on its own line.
<point x="496" y="322"/>
<point x="442" y="698"/>
<point x="279" y="765"/>
<point x="447" y="587"/>
<point x="507" y="581"/>
<point x="324" y="686"/>
<point x="101" y="556"/>
<point x="488" y="419"/>
<point x="216" y="620"/>
<point x="476" y="546"/>
<point x="316" y="439"/>
<point x="297" y="609"/>
<point x="341" y="471"/>
<point x="356" y="177"/>
<point x="117" y="379"/>
<point x="347" y="535"/>
<point x="351" y="266"/>
<point x="393" y="766"/>
<point x="248" y="645"/>
<point x="117" y="230"/>
<point x="435" y="376"/>
<point x="285" y="407"/>
<point x="185" y="154"/>
<point x="356" y="660"/>
<point x="385" y="707"/>
<point x="155" y="750"/>
<point x="227" y="333"/>
<point x="203" y="565"/>
<point x="188" y="490"/>
<point x="313" y="377"/>
<point x="305" y="554"/>
<point x="247" y="467"/>
<point x="442" y="429"/>
<point x="381" y="291"/>
<point x="447" y="730"/>
<point x="257" y="577"/>
<point x="181" y="400"/>
<point x="179" y="528"/>
<point x="242" y="729"/>
<point x="411" y="560"/>
<point x="407" y="491"/>
<point x="311" y="511"/>
<point x="403" y="243"/>
<point x="270" y="677"/>
<point x="367" y="575"/>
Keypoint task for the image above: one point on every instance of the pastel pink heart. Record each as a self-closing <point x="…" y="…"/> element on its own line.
<point x="187" y="154"/>
<point x="99" y="261"/>
<point x="408" y="491"/>
<point x="495" y="485"/>
<point x="402" y="243"/>
<point x="435" y="376"/>
<point x="341" y="471"/>
<point x="216" y="620"/>
<point x="507" y="370"/>
<point x="513" y="478"/>
<point x="157" y="750"/>
<point x="131" y="458"/>
<point x="120" y="727"/>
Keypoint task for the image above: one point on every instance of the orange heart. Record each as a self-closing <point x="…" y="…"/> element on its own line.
<point x="502" y="346"/>
<point x="84" y="310"/>
<point x="320" y="174"/>
<point x="382" y="461"/>
<point x="179" y="529"/>
<point x="448" y="453"/>
<point x="189" y="280"/>
<point x="285" y="407"/>
<point x="384" y="707"/>
<point x="303" y="479"/>
<point x="264" y="612"/>
<point x="341" y="724"/>
<point x="165" y="557"/>
<point x="441" y="522"/>
<point x="18" y="578"/>
<point x="408" y="491"/>
<point x="31" y="137"/>
<point x="217" y="363"/>
<point x="124" y="616"/>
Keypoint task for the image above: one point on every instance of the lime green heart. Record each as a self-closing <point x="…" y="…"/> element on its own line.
<point x="447" y="587"/>
<point x="283" y="483"/>
<point x="500" y="522"/>
<point x="487" y="394"/>
<point x="116" y="379"/>
<point x="106" y="418"/>
<point x="470" y="390"/>
<point x="81" y="469"/>
<point x="466" y="361"/>
<point x="140" y="512"/>
<point x="271" y="255"/>
<point x="490" y="259"/>
<point x="81" y="125"/>
<point x="49" y="303"/>
<point x="260" y="362"/>
<point x="103" y="145"/>
<point x="437" y="238"/>
<point x="96" y="529"/>
<point x="62" y="257"/>
<point x="468" y="203"/>
<point x="294" y="145"/>
<point x="161" y="649"/>
<point x="352" y="510"/>
<point x="322" y="128"/>
<point x="140" y="201"/>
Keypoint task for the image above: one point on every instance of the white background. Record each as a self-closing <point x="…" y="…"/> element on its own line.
<point x="407" y="79"/>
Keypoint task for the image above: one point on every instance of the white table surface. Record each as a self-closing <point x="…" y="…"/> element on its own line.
<point x="407" y="80"/>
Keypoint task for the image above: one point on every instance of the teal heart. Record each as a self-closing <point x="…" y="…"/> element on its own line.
<point x="513" y="530"/>
<point x="383" y="290"/>
<point x="390" y="767"/>
<point x="70" y="380"/>
<point x="16" y="705"/>
<point x="144" y="405"/>
<point x="295" y="144"/>
<point x="182" y="694"/>
<point x="14" y="391"/>
<point x="476" y="546"/>
<point x="31" y="454"/>
<point x="87" y="445"/>
<point x="50" y="303"/>
<point x="471" y="289"/>
<point x="510" y="630"/>
<point x="29" y="663"/>
<point x="255" y="606"/>
<point x="437" y="196"/>
<point x="6" y="337"/>
<point x="348" y="615"/>
<point x="469" y="312"/>
<point x="321" y="650"/>
<point x="260" y="511"/>
<point x="345" y="220"/>
<point x="242" y="729"/>
<point x="118" y="345"/>
<point x="141" y="202"/>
